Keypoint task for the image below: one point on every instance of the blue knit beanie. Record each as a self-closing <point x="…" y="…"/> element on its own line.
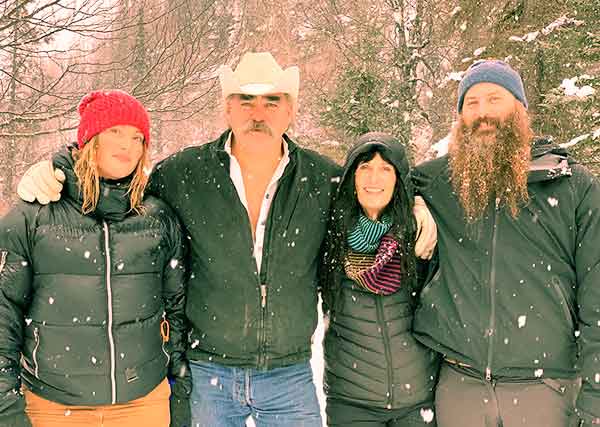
<point x="492" y="71"/>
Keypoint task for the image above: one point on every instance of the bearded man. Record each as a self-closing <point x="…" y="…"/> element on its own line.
<point x="514" y="306"/>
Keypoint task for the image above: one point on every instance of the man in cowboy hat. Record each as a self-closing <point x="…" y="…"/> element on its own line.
<point x="254" y="206"/>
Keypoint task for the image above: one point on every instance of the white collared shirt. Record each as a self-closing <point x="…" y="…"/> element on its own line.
<point x="235" y="173"/>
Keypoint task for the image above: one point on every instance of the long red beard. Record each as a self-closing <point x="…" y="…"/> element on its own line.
<point x="491" y="165"/>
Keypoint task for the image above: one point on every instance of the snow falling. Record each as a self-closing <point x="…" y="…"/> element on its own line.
<point x="571" y="86"/>
<point x="427" y="415"/>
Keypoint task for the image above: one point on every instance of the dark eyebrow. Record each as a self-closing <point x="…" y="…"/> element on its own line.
<point x="273" y="97"/>
<point x="245" y="97"/>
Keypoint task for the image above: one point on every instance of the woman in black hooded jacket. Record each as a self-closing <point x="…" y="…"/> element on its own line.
<point x="376" y="373"/>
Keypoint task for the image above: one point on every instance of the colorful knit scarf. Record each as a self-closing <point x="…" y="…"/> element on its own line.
<point x="366" y="235"/>
<point x="377" y="271"/>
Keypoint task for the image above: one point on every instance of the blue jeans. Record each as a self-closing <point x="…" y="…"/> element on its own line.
<point x="224" y="396"/>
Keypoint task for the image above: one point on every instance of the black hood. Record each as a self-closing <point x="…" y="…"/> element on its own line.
<point x="113" y="203"/>
<point x="390" y="147"/>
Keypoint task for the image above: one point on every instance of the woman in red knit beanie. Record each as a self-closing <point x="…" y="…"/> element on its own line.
<point x="92" y="301"/>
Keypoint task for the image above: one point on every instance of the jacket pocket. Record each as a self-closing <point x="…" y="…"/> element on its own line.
<point x="563" y="301"/>
<point x="431" y="283"/>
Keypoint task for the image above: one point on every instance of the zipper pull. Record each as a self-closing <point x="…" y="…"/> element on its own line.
<point x="263" y="296"/>
<point x="488" y="374"/>
<point x="165" y="329"/>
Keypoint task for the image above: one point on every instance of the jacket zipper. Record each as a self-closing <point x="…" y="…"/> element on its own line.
<point x="36" y="335"/>
<point x="262" y="338"/>
<point x="492" y="324"/>
<point x="262" y="287"/>
<point x="388" y="354"/>
<point x="111" y="342"/>
<point x="164" y="341"/>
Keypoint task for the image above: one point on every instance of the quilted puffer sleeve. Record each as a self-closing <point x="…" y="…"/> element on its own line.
<point x="15" y="288"/>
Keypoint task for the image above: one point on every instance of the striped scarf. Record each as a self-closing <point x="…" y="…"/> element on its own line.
<point x="377" y="271"/>
<point x="366" y="235"/>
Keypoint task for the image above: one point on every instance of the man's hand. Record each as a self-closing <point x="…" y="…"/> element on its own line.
<point x="41" y="182"/>
<point x="426" y="230"/>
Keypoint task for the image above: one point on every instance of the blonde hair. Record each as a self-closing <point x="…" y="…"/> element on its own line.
<point x="86" y="170"/>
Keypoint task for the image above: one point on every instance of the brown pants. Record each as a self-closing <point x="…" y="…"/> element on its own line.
<point x="151" y="410"/>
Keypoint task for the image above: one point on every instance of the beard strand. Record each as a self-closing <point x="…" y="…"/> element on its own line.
<point x="491" y="166"/>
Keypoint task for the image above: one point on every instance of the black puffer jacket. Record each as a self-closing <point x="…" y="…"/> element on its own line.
<point x="371" y="357"/>
<point x="82" y="298"/>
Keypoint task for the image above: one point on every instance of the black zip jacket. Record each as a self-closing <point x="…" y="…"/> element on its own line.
<point x="238" y="317"/>
<point x="519" y="298"/>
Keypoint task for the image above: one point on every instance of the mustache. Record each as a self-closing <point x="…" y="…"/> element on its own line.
<point x="487" y="121"/>
<point x="256" y="126"/>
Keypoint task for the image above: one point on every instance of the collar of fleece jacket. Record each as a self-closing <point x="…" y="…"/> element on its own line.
<point x="113" y="204"/>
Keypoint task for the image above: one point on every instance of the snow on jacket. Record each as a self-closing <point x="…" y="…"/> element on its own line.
<point x="239" y="317"/>
<point x="82" y="298"/>
<point x="512" y="295"/>
<point x="371" y="356"/>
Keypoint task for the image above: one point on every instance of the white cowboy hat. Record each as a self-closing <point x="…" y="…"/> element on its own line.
<point x="259" y="74"/>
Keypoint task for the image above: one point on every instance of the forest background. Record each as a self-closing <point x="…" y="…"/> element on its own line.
<point x="390" y="65"/>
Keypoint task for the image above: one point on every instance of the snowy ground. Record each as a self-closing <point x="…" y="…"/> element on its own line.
<point x="317" y="365"/>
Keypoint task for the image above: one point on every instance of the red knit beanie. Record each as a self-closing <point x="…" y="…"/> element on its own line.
<point x="100" y="110"/>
